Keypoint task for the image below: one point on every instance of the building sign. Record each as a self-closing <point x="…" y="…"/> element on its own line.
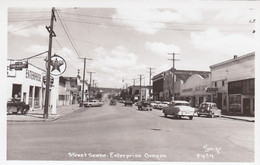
<point x="187" y="90"/>
<point x="200" y="88"/>
<point x="212" y="90"/>
<point x="58" y="65"/>
<point x="33" y="75"/>
<point x="19" y="65"/>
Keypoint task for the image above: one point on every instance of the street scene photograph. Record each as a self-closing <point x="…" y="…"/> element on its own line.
<point x="166" y="82"/>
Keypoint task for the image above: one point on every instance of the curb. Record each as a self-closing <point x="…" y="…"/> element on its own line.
<point x="229" y="117"/>
<point x="58" y="116"/>
<point x="39" y="120"/>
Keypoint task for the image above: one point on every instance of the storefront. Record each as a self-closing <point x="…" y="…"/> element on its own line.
<point x="235" y="81"/>
<point x="26" y="85"/>
<point x="194" y="89"/>
<point x="241" y="96"/>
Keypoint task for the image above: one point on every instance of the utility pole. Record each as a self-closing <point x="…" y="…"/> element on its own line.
<point x="90" y="79"/>
<point x="150" y="72"/>
<point x="47" y="92"/>
<point x="83" y="82"/>
<point x="173" y="70"/>
<point x="140" y="87"/>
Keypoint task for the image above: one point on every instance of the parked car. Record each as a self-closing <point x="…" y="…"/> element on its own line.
<point x="13" y="107"/>
<point x="163" y="104"/>
<point x="154" y="104"/>
<point x="93" y="103"/>
<point x="128" y="102"/>
<point x="179" y="109"/>
<point x="208" y="109"/>
<point x="145" y="106"/>
<point x="113" y="102"/>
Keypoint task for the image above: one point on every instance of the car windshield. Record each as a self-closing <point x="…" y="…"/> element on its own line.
<point x="205" y="105"/>
<point x="182" y="104"/>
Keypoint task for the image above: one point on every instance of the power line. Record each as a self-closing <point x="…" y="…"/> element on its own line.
<point x="27" y="25"/>
<point x="68" y="35"/>
<point x="58" y="43"/>
<point x="151" y="21"/>
<point x="123" y="26"/>
<point x="28" y="12"/>
<point x="26" y="20"/>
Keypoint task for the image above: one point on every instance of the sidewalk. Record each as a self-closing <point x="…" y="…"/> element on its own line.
<point x="243" y="118"/>
<point x="236" y="117"/>
<point x="37" y="115"/>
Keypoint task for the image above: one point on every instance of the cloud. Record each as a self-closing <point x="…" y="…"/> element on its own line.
<point x="144" y="19"/>
<point x="111" y="66"/>
<point x="151" y="20"/>
<point x="117" y="58"/>
<point x="161" y="48"/>
<point x="37" y="48"/>
<point x="214" y="41"/>
<point x="39" y="31"/>
<point x="235" y="15"/>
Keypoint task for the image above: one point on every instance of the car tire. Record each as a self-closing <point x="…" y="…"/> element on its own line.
<point x="198" y="115"/>
<point x="190" y="117"/>
<point x="165" y="115"/>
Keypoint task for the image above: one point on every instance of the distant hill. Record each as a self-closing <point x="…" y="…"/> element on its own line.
<point x="108" y="90"/>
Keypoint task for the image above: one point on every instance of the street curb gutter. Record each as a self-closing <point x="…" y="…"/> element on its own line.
<point x="230" y="117"/>
<point x="40" y="120"/>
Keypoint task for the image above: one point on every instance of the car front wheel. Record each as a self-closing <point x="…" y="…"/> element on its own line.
<point x="191" y="117"/>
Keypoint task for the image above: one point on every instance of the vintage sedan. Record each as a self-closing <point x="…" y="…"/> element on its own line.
<point x="163" y="104"/>
<point x="93" y="103"/>
<point x="179" y="109"/>
<point x="128" y="102"/>
<point x="113" y="102"/>
<point x="145" y="106"/>
<point x="208" y="109"/>
<point x="154" y="104"/>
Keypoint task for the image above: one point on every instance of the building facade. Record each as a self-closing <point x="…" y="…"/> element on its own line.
<point x="163" y="83"/>
<point x="68" y="91"/>
<point x="234" y="80"/>
<point x="27" y="85"/>
<point x="194" y="90"/>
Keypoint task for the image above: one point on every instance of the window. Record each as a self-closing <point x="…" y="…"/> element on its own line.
<point x="223" y="83"/>
<point x="216" y="84"/>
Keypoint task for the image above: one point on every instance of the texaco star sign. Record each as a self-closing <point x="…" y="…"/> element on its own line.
<point x="58" y="65"/>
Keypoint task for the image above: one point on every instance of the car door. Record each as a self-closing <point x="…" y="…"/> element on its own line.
<point x="170" y="108"/>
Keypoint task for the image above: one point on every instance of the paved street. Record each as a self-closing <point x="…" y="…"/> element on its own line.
<point x="119" y="133"/>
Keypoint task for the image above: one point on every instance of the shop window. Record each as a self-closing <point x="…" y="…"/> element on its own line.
<point x="61" y="97"/>
<point x="37" y="97"/>
<point x="16" y="93"/>
<point x="235" y="103"/>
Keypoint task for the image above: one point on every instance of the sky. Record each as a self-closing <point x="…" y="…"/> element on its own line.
<point x="123" y="42"/>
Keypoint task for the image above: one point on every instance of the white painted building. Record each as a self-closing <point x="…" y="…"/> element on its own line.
<point x="194" y="90"/>
<point x="234" y="80"/>
<point x="27" y="85"/>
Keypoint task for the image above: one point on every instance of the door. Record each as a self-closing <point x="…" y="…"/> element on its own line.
<point x="246" y="106"/>
<point x="219" y="101"/>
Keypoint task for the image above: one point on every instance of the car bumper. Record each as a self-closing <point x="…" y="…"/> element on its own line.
<point x="185" y="114"/>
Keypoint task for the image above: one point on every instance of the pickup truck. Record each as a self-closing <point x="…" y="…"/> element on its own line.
<point x="13" y="107"/>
